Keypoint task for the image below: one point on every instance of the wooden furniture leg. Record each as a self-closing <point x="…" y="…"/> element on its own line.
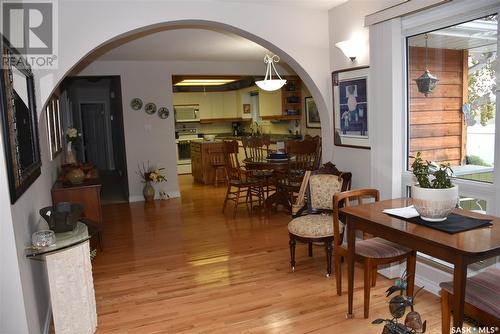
<point x="338" y="273"/>
<point x="411" y="264"/>
<point x="328" y="250"/>
<point x="367" y="286"/>
<point x="351" y="244"/>
<point x="445" y="311"/>
<point x="459" y="281"/>
<point x="292" y="243"/>
<point x="310" y="249"/>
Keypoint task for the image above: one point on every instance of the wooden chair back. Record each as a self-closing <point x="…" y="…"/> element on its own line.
<point x="256" y="147"/>
<point x="345" y="199"/>
<point x="216" y="154"/>
<point x="233" y="170"/>
<point x="306" y="153"/>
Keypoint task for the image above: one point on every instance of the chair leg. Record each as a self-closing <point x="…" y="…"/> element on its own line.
<point x="338" y="273"/>
<point x="227" y="196"/>
<point x="374" y="276"/>
<point x="411" y="264"/>
<point x="367" y="285"/>
<point x="310" y="249"/>
<point x="292" y="243"/>
<point x="445" y="311"/>
<point x="328" y="249"/>
<point x="238" y="193"/>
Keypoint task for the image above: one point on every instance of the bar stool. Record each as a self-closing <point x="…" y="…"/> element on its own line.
<point x="216" y="153"/>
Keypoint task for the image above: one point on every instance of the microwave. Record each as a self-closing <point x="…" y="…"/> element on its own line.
<point x="187" y="113"/>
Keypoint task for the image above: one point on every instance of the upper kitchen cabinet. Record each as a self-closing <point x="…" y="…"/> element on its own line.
<point x="270" y="106"/>
<point x="230" y="104"/>
<point x="186" y="98"/>
<point x="217" y="104"/>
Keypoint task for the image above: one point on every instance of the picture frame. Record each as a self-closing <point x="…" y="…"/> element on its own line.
<point x="246" y="108"/>
<point x="312" y="113"/>
<point x="54" y="127"/>
<point x="19" y="121"/>
<point x="350" y="107"/>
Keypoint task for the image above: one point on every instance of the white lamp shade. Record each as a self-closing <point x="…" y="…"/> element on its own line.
<point x="270" y="85"/>
<point x="349" y="48"/>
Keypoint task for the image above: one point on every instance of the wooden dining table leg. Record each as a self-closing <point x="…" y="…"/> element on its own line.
<point x="351" y="244"/>
<point x="459" y="282"/>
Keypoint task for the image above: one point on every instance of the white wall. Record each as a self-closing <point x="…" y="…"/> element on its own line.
<point x="345" y="22"/>
<point x="24" y="301"/>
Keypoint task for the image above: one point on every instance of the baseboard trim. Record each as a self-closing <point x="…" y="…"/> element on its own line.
<point x="48" y="320"/>
<point x="140" y="198"/>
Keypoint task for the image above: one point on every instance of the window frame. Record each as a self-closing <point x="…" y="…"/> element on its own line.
<point x="436" y="19"/>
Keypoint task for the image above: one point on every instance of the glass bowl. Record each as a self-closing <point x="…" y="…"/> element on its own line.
<point x="43" y="238"/>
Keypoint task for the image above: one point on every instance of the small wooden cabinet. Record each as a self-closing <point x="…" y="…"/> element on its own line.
<point x="88" y="194"/>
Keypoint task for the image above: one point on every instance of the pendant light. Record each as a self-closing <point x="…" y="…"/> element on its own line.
<point x="426" y="82"/>
<point x="269" y="84"/>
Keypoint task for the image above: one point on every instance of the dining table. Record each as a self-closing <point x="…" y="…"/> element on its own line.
<point x="459" y="249"/>
<point x="280" y="168"/>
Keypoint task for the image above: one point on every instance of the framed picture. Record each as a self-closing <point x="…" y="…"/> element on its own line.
<point x="54" y="127"/>
<point x="19" y="122"/>
<point x="246" y="108"/>
<point x="312" y="114"/>
<point x="350" y="107"/>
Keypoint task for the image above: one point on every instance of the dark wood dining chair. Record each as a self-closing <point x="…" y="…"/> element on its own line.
<point x="305" y="155"/>
<point x="371" y="252"/>
<point x="316" y="198"/>
<point x="256" y="147"/>
<point x="482" y="299"/>
<point x="241" y="187"/>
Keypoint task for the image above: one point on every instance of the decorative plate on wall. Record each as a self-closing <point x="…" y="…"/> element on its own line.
<point x="163" y="112"/>
<point x="136" y="103"/>
<point x="150" y="108"/>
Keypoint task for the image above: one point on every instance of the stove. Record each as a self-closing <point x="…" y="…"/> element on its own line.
<point x="184" y="136"/>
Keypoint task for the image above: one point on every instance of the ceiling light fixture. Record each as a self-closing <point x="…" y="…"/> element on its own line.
<point x="269" y="84"/>
<point x="204" y="82"/>
<point x="426" y="82"/>
<point x="350" y="49"/>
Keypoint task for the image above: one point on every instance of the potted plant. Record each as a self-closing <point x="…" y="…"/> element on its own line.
<point x="434" y="197"/>
<point x="150" y="174"/>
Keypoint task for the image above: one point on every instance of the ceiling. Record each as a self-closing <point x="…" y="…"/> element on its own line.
<point x="315" y="4"/>
<point x="188" y="44"/>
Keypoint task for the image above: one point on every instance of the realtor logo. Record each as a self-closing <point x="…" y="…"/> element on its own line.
<point x="30" y="28"/>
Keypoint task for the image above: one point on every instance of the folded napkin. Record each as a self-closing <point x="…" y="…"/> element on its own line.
<point x="405" y="212"/>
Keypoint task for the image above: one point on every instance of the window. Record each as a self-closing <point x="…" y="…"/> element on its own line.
<point x="455" y="121"/>
<point x="54" y="130"/>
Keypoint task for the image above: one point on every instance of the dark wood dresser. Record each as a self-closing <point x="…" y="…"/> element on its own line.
<point x="88" y="194"/>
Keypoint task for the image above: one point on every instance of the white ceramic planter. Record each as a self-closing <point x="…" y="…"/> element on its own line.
<point x="434" y="205"/>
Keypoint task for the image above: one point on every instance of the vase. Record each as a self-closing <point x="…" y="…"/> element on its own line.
<point x="75" y="175"/>
<point x="148" y="192"/>
<point x="434" y="205"/>
<point x="70" y="154"/>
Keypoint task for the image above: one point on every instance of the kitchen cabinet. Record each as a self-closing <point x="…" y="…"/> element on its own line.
<point x="230" y="108"/>
<point x="216" y="104"/>
<point x="270" y="103"/>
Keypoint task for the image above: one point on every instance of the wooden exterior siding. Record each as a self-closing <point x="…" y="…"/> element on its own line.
<point x="437" y="126"/>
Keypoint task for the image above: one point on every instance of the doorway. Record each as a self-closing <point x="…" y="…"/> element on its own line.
<point x="96" y="112"/>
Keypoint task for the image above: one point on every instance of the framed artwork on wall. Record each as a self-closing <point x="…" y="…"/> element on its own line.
<point x="312" y="114"/>
<point x="350" y="107"/>
<point x="54" y="127"/>
<point x="19" y="122"/>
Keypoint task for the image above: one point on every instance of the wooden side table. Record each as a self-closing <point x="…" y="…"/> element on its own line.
<point x="88" y="194"/>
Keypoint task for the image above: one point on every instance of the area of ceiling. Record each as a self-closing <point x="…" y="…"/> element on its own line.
<point x="315" y="4"/>
<point x="188" y="44"/>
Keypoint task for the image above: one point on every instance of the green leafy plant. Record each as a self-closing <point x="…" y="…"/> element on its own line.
<point x="431" y="175"/>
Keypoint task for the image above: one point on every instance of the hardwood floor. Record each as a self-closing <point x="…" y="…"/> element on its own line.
<point x="181" y="266"/>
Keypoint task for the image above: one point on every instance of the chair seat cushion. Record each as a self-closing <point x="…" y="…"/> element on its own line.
<point x="482" y="291"/>
<point x="378" y="248"/>
<point x="313" y="226"/>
